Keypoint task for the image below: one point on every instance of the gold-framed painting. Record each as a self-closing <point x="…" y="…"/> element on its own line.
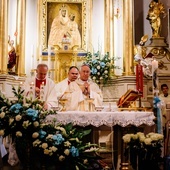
<point x="63" y="21"/>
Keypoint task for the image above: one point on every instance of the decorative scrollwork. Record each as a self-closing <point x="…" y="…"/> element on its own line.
<point x="159" y="52"/>
<point x="161" y="65"/>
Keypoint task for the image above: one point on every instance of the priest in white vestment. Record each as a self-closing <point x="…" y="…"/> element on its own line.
<point x="62" y="86"/>
<point x="47" y="93"/>
<point x="82" y="89"/>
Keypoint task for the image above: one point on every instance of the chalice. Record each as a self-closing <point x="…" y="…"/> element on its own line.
<point x="90" y="104"/>
<point x="63" y="103"/>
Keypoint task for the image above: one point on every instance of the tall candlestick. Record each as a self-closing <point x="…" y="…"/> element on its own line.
<point x="49" y="50"/>
<point x="139" y="78"/>
<point x="40" y="50"/>
<point x="155" y="77"/>
<point x="32" y="57"/>
<point x="40" y="55"/>
<point x="32" y="91"/>
<point x="49" y="55"/>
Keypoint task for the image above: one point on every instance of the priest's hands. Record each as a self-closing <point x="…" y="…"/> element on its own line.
<point x="86" y="89"/>
<point x="37" y="92"/>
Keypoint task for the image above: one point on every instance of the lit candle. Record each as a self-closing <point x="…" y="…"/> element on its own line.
<point x="42" y="91"/>
<point x="154" y="64"/>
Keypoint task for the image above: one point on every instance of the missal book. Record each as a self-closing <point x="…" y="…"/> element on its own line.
<point x="129" y="97"/>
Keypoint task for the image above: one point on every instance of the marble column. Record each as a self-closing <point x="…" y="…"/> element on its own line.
<point x="4" y="36"/>
<point x="21" y="21"/>
<point x="128" y="37"/>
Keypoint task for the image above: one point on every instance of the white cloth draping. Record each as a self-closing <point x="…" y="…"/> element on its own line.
<point x="123" y="118"/>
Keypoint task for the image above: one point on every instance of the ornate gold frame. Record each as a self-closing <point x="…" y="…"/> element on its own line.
<point x="44" y="13"/>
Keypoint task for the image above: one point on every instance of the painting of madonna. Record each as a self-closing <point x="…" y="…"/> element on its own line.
<point x="64" y="24"/>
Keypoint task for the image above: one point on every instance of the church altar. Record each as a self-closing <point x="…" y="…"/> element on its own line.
<point x="119" y="120"/>
<point x="123" y="118"/>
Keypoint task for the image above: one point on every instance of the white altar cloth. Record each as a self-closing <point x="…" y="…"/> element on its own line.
<point x="123" y="118"/>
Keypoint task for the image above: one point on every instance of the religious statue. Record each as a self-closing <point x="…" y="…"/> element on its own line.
<point x="142" y="58"/>
<point x="155" y="13"/>
<point x="64" y="25"/>
<point x="11" y="55"/>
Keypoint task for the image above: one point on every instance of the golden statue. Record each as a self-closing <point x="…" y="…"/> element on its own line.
<point x="155" y="13"/>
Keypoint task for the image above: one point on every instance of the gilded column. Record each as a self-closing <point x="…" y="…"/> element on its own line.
<point x="128" y="37"/>
<point x="21" y="20"/>
<point x="3" y="36"/>
<point x="109" y="29"/>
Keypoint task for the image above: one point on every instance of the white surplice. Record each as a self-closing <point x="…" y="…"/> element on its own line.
<point x="61" y="87"/>
<point x="165" y="101"/>
<point x="77" y="100"/>
<point x="50" y="94"/>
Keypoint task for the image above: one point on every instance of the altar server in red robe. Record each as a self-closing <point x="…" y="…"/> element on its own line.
<point x="33" y="85"/>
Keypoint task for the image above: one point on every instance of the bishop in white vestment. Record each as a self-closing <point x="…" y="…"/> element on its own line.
<point x="82" y="89"/>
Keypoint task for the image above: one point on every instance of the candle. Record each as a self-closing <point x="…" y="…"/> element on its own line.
<point x="42" y="91"/>
<point x="154" y="64"/>
<point x="40" y="55"/>
<point x="155" y="77"/>
<point x="49" y="50"/>
<point x="31" y="91"/>
<point x="40" y="50"/>
<point x="32" y="57"/>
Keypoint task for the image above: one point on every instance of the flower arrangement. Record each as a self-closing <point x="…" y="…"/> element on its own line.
<point x="101" y="66"/>
<point x="40" y="144"/>
<point x="147" y="148"/>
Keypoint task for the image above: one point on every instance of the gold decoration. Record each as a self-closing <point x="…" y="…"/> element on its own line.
<point x="143" y="40"/>
<point x="155" y="13"/>
<point x="161" y="65"/>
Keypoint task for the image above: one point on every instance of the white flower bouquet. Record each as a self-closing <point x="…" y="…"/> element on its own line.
<point x="101" y="66"/>
<point x="144" y="149"/>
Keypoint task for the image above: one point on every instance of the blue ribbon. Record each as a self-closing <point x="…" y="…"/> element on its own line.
<point x="156" y="102"/>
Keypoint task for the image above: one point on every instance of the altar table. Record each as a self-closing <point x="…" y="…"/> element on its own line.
<point x="122" y="118"/>
<point x="119" y="120"/>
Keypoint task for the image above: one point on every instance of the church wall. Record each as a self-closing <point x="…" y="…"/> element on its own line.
<point x="31" y="36"/>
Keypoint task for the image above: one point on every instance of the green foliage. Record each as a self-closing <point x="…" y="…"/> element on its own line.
<point x="37" y="141"/>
